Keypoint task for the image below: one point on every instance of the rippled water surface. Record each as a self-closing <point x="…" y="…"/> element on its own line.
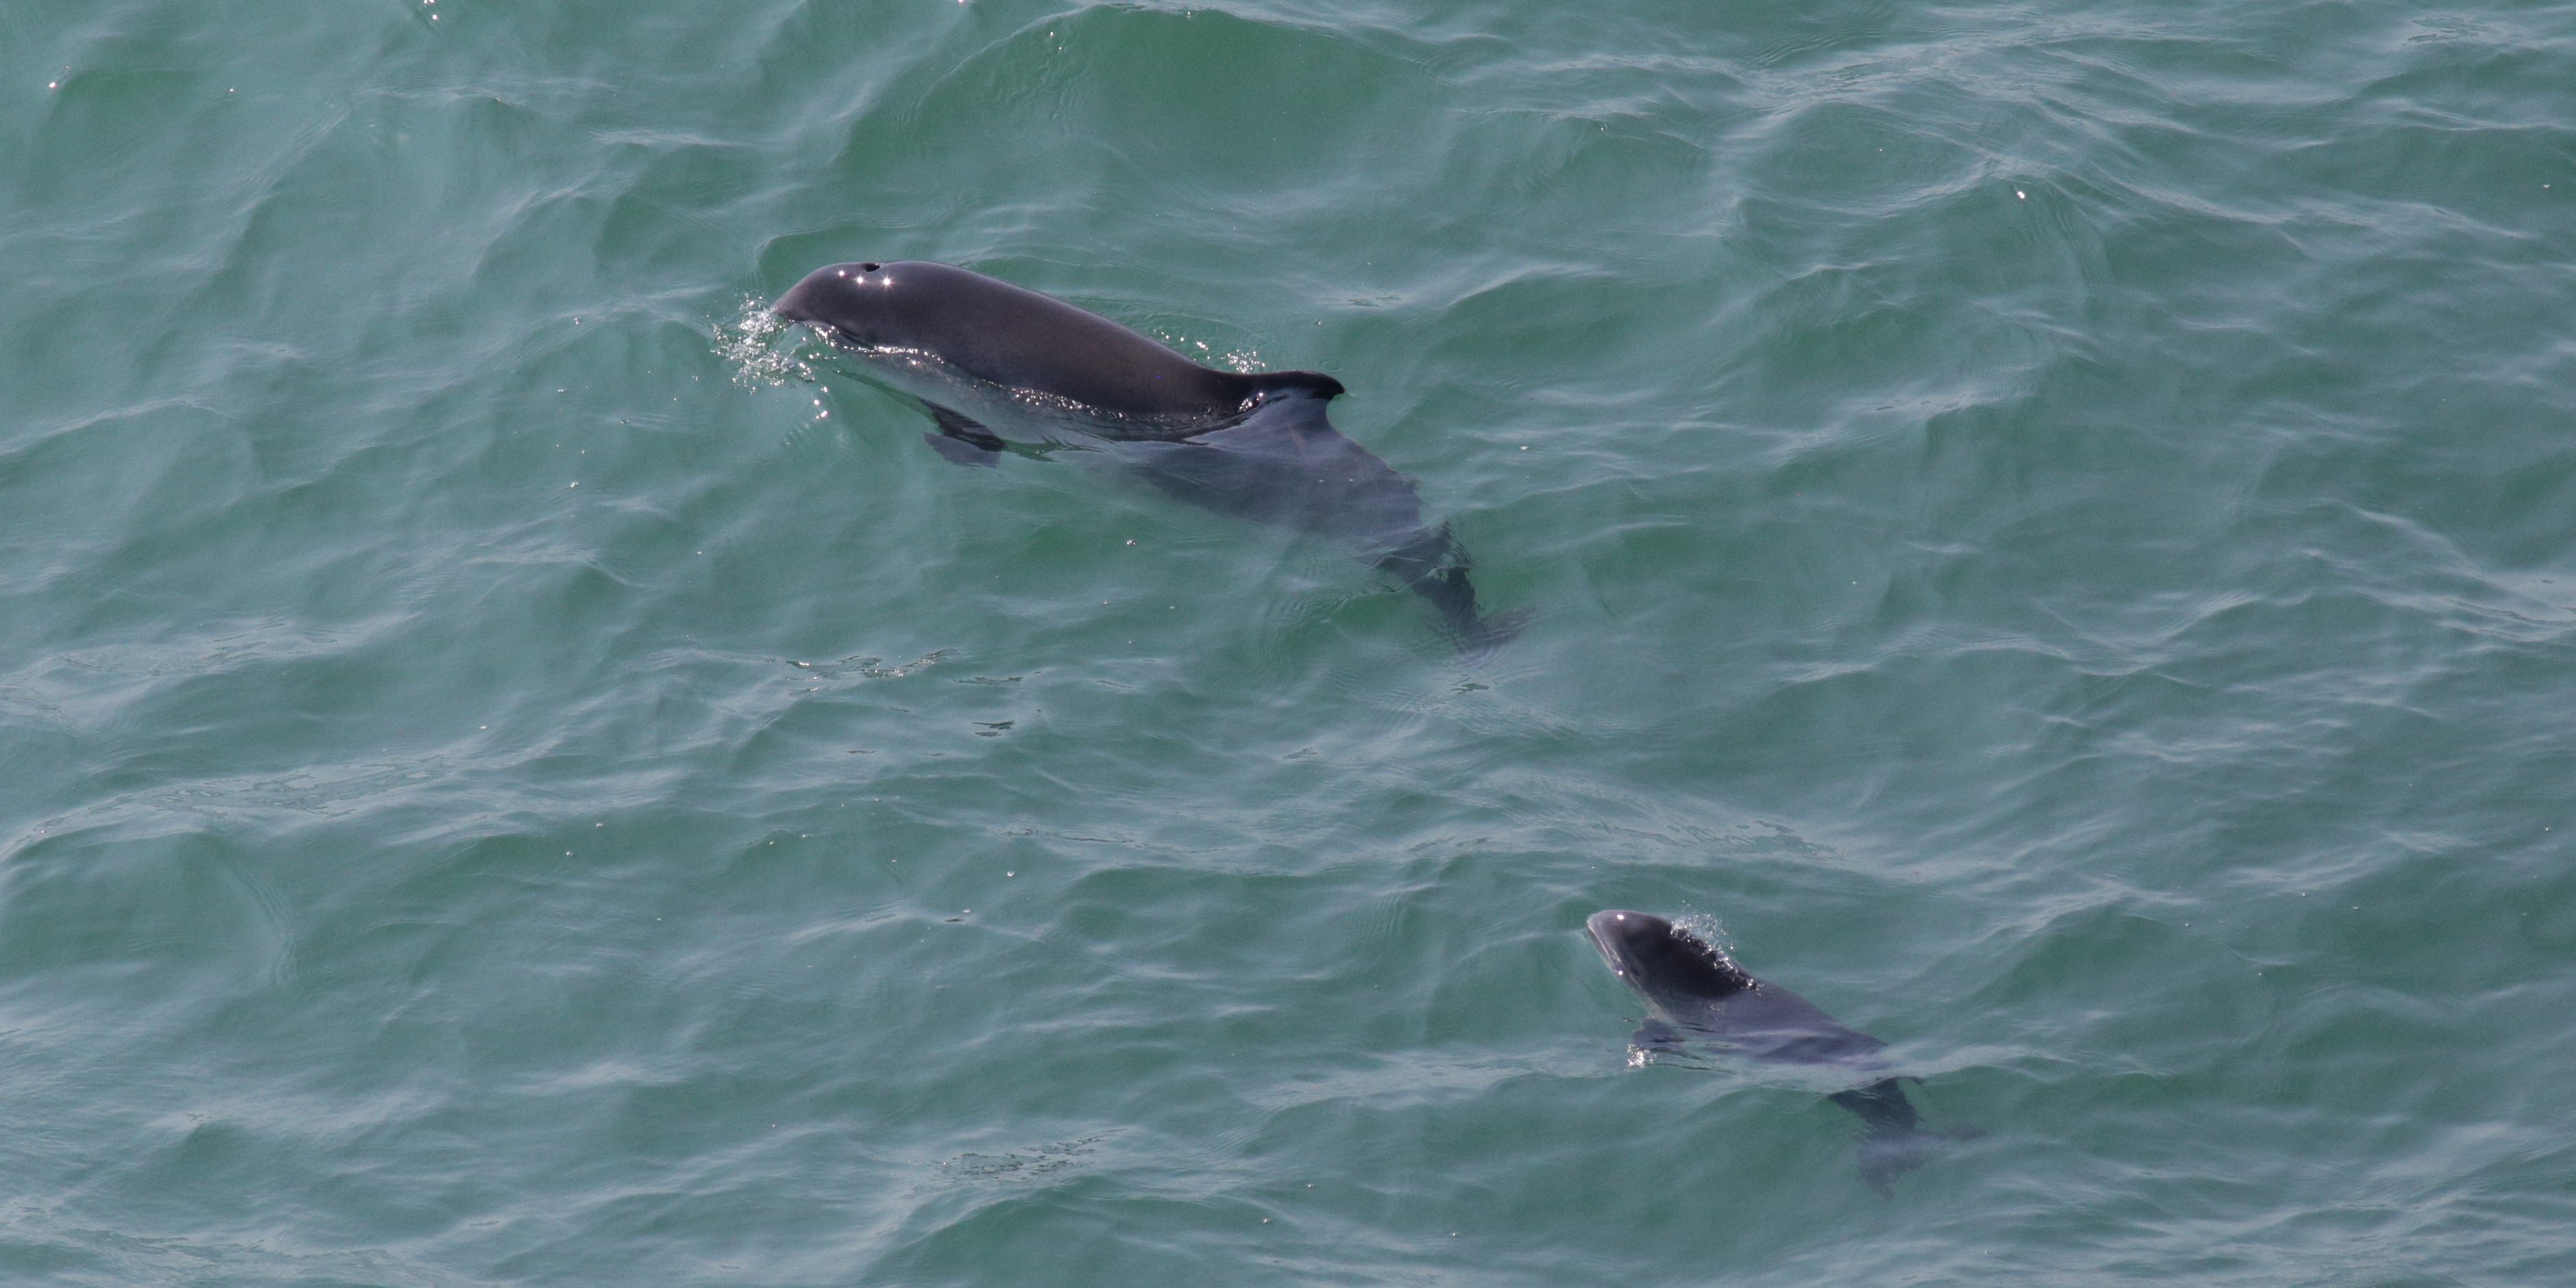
<point x="2048" y="527"/>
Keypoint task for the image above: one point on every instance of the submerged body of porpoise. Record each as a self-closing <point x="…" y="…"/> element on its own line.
<point x="1697" y="991"/>
<point x="996" y="364"/>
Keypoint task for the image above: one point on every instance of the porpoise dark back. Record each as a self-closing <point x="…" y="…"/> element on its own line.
<point x="1016" y="337"/>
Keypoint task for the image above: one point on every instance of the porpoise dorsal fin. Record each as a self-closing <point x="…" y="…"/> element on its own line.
<point x="1312" y="382"/>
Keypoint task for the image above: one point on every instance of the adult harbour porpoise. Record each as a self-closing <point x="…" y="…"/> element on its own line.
<point x="995" y="364"/>
<point x="1696" y="991"/>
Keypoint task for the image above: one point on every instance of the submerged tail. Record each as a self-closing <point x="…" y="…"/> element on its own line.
<point x="1895" y="1141"/>
<point x="1434" y="566"/>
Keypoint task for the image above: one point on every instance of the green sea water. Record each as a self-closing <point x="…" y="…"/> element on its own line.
<point x="2051" y="529"/>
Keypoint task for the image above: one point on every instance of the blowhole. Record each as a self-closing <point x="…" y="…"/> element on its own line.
<point x="869" y="268"/>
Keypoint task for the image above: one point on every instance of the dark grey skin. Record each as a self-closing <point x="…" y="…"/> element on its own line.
<point x="1696" y="991"/>
<point x="996" y="364"/>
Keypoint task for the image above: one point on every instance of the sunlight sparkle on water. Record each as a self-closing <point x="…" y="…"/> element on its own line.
<point x="762" y="348"/>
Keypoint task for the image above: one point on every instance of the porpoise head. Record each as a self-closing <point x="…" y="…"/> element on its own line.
<point x="1662" y="961"/>
<point x="851" y="302"/>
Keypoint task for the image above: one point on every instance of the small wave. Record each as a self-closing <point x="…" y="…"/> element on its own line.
<point x="1035" y="1163"/>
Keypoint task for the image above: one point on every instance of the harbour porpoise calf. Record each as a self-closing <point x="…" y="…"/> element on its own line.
<point x="996" y="364"/>
<point x="1696" y="991"/>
